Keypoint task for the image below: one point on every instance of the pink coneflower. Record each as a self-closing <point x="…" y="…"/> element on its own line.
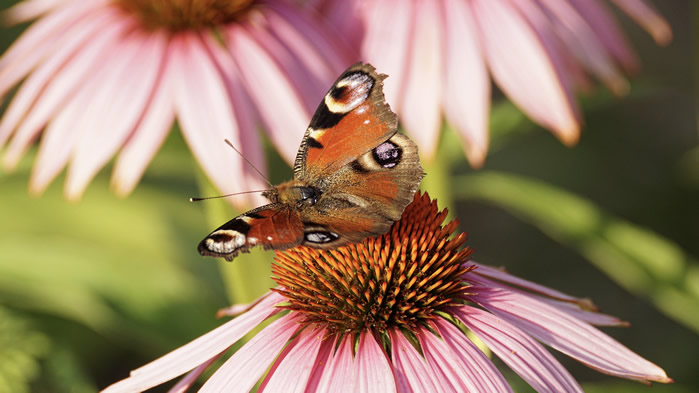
<point x="390" y="314"/>
<point x="441" y="55"/>
<point x="105" y="76"/>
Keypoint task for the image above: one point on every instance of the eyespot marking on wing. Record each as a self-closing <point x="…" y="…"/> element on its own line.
<point x="225" y="241"/>
<point x="321" y="237"/>
<point x="387" y="154"/>
<point x="349" y="92"/>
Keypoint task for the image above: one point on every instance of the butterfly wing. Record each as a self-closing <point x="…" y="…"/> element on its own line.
<point x="352" y="119"/>
<point x="366" y="196"/>
<point x="274" y="226"/>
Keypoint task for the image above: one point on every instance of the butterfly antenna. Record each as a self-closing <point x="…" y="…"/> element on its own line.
<point x="249" y="163"/>
<point x="197" y="199"/>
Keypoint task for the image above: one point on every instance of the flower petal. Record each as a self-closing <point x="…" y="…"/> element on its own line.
<point x="444" y="364"/>
<point x="373" y="372"/>
<point x="582" y="43"/>
<point x="205" y="113"/>
<point x="529" y="359"/>
<point x="420" y="111"/>
<point x="466" y="82"/>
<point x="479" y="369"/>
<point x="149" y="135"/>
<point x="38" y="41"/>
<point x="57" y="66"/>
<point x="292" y="369"/>
<point x="410" y="368"/>
<point x="387" y="41"/>
<point x="241" y="372"/>
<point x="646" y="16"/>
<point x="567" y="334"/>
<point x="526" y="66"/>
<point x="605" y="26"/>
<point x="270" y="89"/>
<point x="198" y="351"/>
<point x="117" y="107"/>
<point x="188" y="380"/>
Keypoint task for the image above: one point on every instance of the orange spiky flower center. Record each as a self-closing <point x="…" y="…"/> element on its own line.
<point x="397" y="280"/>
<point x="176" y="15"/>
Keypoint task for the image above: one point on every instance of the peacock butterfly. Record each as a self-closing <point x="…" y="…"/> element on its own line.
<point x="353" y="176"/>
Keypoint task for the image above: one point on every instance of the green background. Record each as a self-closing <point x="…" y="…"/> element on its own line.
<point x="91" y="290"/>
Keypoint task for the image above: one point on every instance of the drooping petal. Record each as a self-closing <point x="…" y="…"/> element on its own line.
<point x="526" y="66"/>
<point x="410" y="368"/>
<point x="38" y="41"/>
<point x="198" y="351"/>
<point x="293" y="367"/>
<point x="479" y="369"/>
<point x="646" y="16"/>
<point x="606" y="28"/>
<point x="248" y="118"/>
<point x="40" y="84"/>
<point x="420" y="111"/>
<point x="149" y="135"/>
<point x="567" y="334"/>
<point x="374" y="372"/>
<point x="116" y="108"/>
<point x="529" y="359"/>
<point x="582" y="43"/>
<point x="466" y="95"/>
<point x="387" y="43"/>
<point x="65" y="130"/>
<point x="28" y="10"/>
<point x="242" y="371"/>
<point x="205" y="114"/>
<point x="188" y="380"/>
<point x="444" y="364"/>
<point x="278" y="102"/>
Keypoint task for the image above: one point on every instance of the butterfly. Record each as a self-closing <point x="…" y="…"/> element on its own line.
<point x="354" y="174"/>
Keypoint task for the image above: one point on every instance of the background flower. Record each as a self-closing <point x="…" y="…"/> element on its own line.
<point x="442" y="54"/>
<point x="106" y="77"/>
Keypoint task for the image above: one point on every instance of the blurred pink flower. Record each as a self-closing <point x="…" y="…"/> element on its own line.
<point x="389" y="315"/>
<point x="102" y="77"/>
<point x="441" y="55"/>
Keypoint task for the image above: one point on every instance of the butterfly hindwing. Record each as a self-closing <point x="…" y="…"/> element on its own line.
<point x="274" y="226"/>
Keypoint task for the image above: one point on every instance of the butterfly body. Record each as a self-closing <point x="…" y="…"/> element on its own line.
<point x="353" y="176"/>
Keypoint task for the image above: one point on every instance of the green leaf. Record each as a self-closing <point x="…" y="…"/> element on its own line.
<point x="21" y="350"/>
<point x="640" y="260"/>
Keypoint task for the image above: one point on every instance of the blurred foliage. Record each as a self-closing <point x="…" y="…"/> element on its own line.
<point x="89" y="291"/>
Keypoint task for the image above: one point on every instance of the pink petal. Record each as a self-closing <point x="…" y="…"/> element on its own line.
<point x="582" y="43"/>
<point x="411" y="371"/>
<point x="38" y="41"/>
<point x="479" y="369"/>
<point x="279" y="104"/>
<point x="242" y="371"/>
<point x="149" y="135"/>
<point x="607" y="30"/>
<point x="368" y="372"/>
<point x="526" y="66"/>
<point x="66" y="129"/>
<point x="292" y="369"/>
<point x="188" y="380"/>
<point x="35" y="86"/>
<point x="647" y="17"/>
<point x="117" y="107"/>
<point x="444" y="364"/>
<point x="248" y="121"/>
<point x="466" y="96"/>
<point x="501" y="275"/>
<point x="567" y="334"/>
<point x="198" y="351"/>
<point x="345" y="19"/>
<point x="305" y="37"/>
<point x="322" y="363"/>
<point x="387" y="41"/>
<point x="31" y="9"/>
<point x="205" y="113"/>
<point x="420" y="108"/>
<point x="529" y="359"/>
<point x="373" y="369"/>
